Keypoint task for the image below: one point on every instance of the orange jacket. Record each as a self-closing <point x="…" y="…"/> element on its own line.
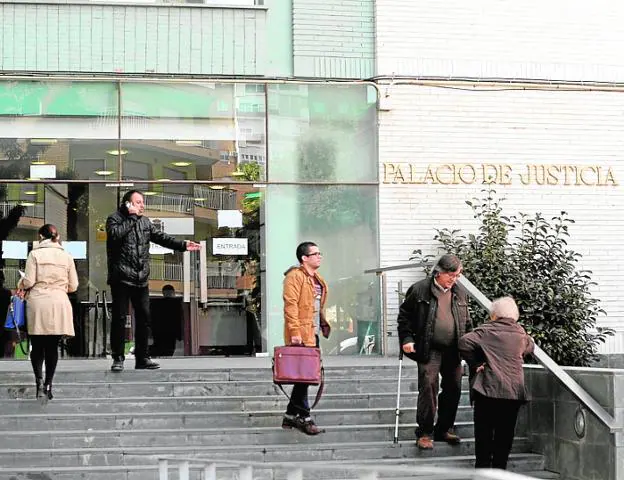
<point x="299" y="306"/>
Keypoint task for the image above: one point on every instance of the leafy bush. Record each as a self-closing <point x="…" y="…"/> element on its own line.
<point x="527" y="257"/>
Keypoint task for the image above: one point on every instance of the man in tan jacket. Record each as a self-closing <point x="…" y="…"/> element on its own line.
<point x="305" y="293"/>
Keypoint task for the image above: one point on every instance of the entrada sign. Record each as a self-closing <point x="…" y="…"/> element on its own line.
<point x="499" y="173"/>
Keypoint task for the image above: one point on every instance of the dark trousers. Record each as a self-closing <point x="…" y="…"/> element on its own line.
<point x="122" y="296"/>
<point x="299" y="404"/>
<point x="447" y="364"/>
<point x="44" y="349"/>
<point x="495" y="425"/>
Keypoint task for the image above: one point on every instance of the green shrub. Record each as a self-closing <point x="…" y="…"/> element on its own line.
<point x="527" y="257"/>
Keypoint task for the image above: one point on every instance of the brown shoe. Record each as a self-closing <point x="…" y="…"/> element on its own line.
<point x="425" y="442"/>
<point x="305" y="425"/>
<point x="449" y="437"/>
<point x="308" y="427"/>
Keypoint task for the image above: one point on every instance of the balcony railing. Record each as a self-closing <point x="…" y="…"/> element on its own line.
<point x="34" y="211"/>
<point x="219" y="275"/>
<point x="211" y="198"/>
<point x="166" y="271"/>
<point x="169" y="202"/>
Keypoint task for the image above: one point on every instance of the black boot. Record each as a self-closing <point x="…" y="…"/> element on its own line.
<point x="40" y="388"/>
<point x="48" y="391"/>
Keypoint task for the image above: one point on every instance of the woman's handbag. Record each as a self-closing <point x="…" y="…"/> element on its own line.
<point x="16" y="314"/>
<point x="16" y="319"/>
<point x="298" y="364"/>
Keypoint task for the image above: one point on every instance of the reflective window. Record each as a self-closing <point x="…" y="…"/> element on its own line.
<point x="61" y="130"/>
<point x="199" y="131"/>
<point x="342" y="221"/>
<point x="322" y="133"/>
<point x="179" y="135"/>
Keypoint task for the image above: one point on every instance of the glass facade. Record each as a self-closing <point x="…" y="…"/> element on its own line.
<point x="249" y="169"/>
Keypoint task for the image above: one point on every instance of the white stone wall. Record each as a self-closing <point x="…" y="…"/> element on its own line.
<point x="554" y="39"/>
<point x="435" y="126"/>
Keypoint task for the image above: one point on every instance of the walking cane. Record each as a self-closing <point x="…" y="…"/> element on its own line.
<point x="398" y="402"/>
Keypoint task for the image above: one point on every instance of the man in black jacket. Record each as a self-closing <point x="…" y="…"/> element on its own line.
<point x="431" y="320"/>
<point x="128" y="237"/>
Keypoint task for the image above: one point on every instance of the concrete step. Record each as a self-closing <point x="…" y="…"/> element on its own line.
<point x="87" y="375"/>
<point x="134" y="420"/>
<point x="192" y="388"/>
<point x="527" y="463"/>
<point x="203" y="403"/>
<point x="211" y="436"/>
<point x="307" y="449"/>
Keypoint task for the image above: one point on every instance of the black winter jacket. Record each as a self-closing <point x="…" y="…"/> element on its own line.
<point x="127" y="246"/>
<point x="416" y="320"/>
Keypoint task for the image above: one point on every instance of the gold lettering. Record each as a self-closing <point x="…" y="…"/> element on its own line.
<point x="398" y="175"/>
<point x="582" y="175"/>
<point x="414" y="175"/>
<point x="568" y="170"/>
<point x="527" y="179"/>
<point x="611" y="178"/>
<point x="440" y="171"/>
<point x="552" y="177"/>
<point x="488" y="175"/>
<point x="540" y="174"/>
<point x="389" y="169"/>
<point x="473" y="173"/>
<point x="578" y="176"/>
<point x="429" y="176"/>
<point x="505" y="174"/>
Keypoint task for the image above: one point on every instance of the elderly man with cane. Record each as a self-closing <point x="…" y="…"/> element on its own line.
<point x="432" y="318"/>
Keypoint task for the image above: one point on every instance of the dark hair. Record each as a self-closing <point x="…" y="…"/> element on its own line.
<point x="447" y="263"/>
<point x="49" y="232"/>
<point x="303" y="249"/>
<point x="168" y="288"/>
<point x="128" y="195"/>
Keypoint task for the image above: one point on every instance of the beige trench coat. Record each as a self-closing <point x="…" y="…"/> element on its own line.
<point x="50" y="275"/>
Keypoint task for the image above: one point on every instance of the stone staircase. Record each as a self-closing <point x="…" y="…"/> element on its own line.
<point x="103" y="425"/>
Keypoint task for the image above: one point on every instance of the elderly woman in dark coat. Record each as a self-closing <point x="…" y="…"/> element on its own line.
<point x="495" y="353"/>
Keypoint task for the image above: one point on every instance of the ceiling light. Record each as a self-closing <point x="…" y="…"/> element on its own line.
<point x="217" y="187"/>
<point x="189" y="143"/>
<point x="103" y="173"/>
<point x="163" y="179"/>
<point x="39" y="162"/>
<point x="120" y="184"/>
<point x="43" y="141"/>
<point x="117" y="152"/>
<point x="150" y="193"/>
<point x="30" y="192"/>
<point x="27" y="204"/>
<point x="181" y="164"/>
<point x="199" y="199"/>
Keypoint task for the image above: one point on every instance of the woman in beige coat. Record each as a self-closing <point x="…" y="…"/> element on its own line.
<point x="50" y="275"/>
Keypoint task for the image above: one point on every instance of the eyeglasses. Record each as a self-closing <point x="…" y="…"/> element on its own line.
<point x="452" y="275"/>
<point x="315" y="254"/>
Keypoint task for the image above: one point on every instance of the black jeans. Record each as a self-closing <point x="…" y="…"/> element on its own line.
<point x="447" y="364"/>
<point x="299" y="404"/>
<point x="44" y="348"/>
<point x="495" y="425"/>
<point x="139" y="296"/>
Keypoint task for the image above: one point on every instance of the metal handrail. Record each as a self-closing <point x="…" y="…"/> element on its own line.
<point x="295" y="470"/>
<point x="542" y="357"/>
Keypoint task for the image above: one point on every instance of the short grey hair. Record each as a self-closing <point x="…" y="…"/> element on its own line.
<point x="505" y="307"/>
<point x="447" y="263"/>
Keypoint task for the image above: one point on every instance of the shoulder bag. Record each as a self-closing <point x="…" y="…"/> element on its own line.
<point x="298" y="364"/>
<point x="16" y="319"/>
